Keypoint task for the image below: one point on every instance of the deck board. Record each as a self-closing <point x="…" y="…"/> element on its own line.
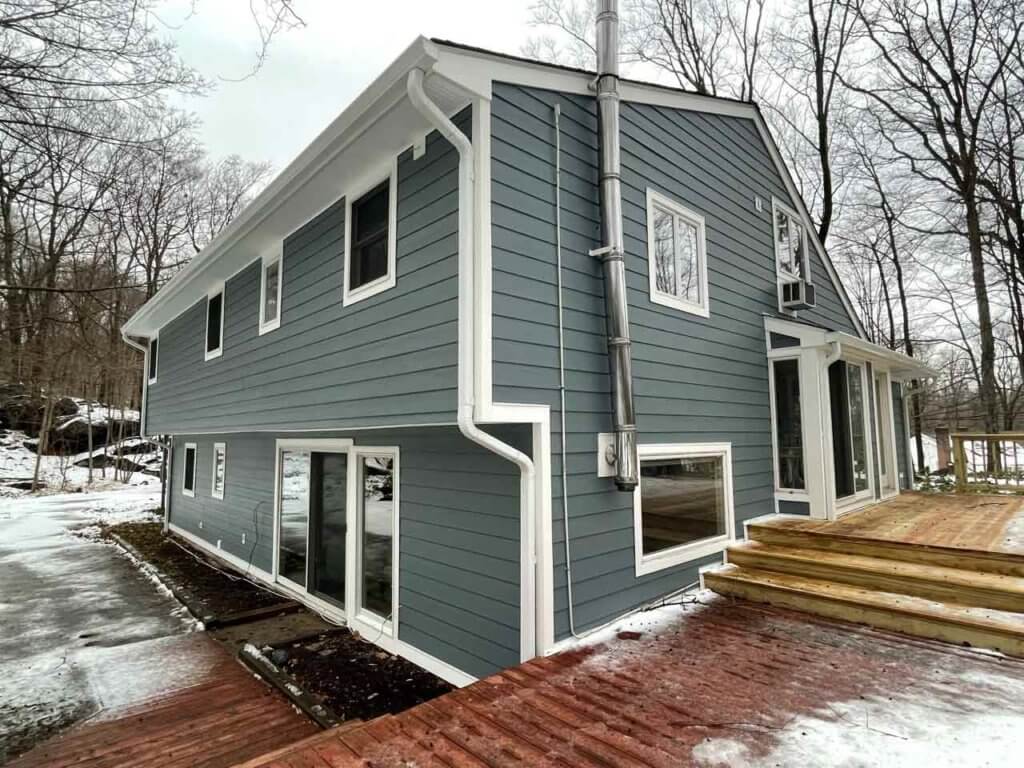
<point x="730" y="675"/>
<point x="961" y="521"/>
<point x="225" y="717"/>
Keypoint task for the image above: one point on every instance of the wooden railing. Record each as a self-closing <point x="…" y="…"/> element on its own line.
<point x="989" y="462"/>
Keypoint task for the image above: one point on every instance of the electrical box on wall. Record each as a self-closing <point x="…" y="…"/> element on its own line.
<point x="606" y="454"/>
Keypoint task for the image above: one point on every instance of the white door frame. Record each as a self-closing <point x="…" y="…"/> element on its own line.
<point x="369" y="625"/>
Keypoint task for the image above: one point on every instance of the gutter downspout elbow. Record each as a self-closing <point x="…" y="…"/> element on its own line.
<point x="467" y="305"/>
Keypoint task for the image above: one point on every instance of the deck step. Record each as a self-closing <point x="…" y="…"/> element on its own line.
<point x="1004" y="563"/>
<point x="980" y="627"/>
<point x="935" y="582"/>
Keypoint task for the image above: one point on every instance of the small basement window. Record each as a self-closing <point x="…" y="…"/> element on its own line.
<point x="677" y="255"/>
<point x="683" y="505"/>
<point x="215" y="324"/>
<point x="790" y="245"/>
<point x="270" y="295"/>
<point x="152" y="360"/>
<point x="188" y="475"/>
<point x="220" y="463"/>
<point x="370" y="242"/>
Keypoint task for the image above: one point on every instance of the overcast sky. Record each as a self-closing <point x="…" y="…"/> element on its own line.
<point x="312" y="73"/>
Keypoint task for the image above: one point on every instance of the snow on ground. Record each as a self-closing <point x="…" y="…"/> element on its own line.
<point x="59" y="473"/>
<point x="908" y="727"/>
<point x="78" y="615"/>
<point x="98" y="413"/>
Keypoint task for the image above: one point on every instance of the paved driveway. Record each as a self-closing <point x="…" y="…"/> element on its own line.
<point x="71" y="610"/>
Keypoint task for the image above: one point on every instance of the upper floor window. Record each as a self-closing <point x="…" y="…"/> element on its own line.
<point x="215" y="324"/>
<point x="152" y="360"/>
<point x="270" y="294"/>
<point x="370" y="241"/>
<point x="790" y="244"/>
<point x="677" y="255"/>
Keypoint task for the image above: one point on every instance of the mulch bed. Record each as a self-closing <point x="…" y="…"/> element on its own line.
<point x="209" y="593"/>
<point x="354" y="678"/>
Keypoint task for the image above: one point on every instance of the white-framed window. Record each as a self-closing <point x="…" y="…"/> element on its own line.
<point x="220" y="470"/>
<point x="791" y="244"/>
<point x="376" y="536"/>
<point x="683" y="504"/>
<point x="371" y="212"/>
<point x="188" y="470"/>
<point x="787" y="424"/>
<point x="270" y="292"/>
<point x="677" y="255"/>
<point x="215" y="323"/>
<point x="152" y="358"/>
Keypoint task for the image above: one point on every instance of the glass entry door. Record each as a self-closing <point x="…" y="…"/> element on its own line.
<point x="314" y="522"/>
<point x="337" y="518"/>
<point x="328" y="525"/>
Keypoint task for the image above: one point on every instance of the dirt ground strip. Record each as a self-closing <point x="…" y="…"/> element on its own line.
<point x="728" y="683"/>
<point x="209" y="592"/>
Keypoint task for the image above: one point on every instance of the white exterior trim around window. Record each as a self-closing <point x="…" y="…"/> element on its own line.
<point x="685" y="553"/>
<point x="781" y="275"/>
<point x="657" y="201"/>
<point x="366" y="183"/>
<point x="185" y="490"/>
<point x="210" y="354"/>
<point x="219" y="449"/>
<point x="274" y="257"/>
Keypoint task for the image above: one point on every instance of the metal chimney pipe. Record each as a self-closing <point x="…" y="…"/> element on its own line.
<point x="612" y="252"/>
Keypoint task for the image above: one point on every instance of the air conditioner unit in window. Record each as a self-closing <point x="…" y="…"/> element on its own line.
<point x="797" y="294"/>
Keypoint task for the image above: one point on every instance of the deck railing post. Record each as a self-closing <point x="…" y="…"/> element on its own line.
<point x="960" y="463"/>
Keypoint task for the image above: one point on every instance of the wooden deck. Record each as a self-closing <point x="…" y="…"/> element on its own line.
<point x="967" y="521"/>
<point x="729" y="683"/>
<point x="219" y="718"/>
<point x="944" y="567"/>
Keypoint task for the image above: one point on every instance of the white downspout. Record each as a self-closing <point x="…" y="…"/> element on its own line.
<point x="467" y="333"/>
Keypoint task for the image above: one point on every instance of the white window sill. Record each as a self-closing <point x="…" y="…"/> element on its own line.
<point x="681" y="555"/>
<point x="665" y="300"/>
<point x="214" y="354"/>
<point x="187" y="492"/>
<point x="379" y="285"/>
<point x="273" y="325"/>
<point x="785" y="494"/>
<point x="216" y="495"/>
<point x="369" y="625"/>
<point x="151" y="381"/>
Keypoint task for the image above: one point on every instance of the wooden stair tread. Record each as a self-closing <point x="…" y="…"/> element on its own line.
<point x="943" y="574"/>
<point x="781" y="534"/>
<point x="988" y="619"/>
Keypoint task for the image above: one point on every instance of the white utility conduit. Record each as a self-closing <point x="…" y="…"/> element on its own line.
<point x="467" y="298"/>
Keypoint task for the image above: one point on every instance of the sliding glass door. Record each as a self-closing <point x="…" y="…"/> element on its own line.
<point x="337" y="519"/>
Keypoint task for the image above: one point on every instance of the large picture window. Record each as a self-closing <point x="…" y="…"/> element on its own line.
<point x="789" y="440"/>
<point x="683" y="505"/>
<point x="370" y="241"/>
<point x="677" y="255"/>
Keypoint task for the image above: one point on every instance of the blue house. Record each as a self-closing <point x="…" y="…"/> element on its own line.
<point x="508" y="352"/>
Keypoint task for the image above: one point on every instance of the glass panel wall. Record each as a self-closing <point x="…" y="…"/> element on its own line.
<point x="377" y="535"/>
<point x="294" y="531"/>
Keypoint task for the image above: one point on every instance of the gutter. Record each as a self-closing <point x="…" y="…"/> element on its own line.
<point x="467" y="331"/>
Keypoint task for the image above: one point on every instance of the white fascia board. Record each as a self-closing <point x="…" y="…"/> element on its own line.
<point x="374" y="102"/>
<point x="898" y="364"/>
